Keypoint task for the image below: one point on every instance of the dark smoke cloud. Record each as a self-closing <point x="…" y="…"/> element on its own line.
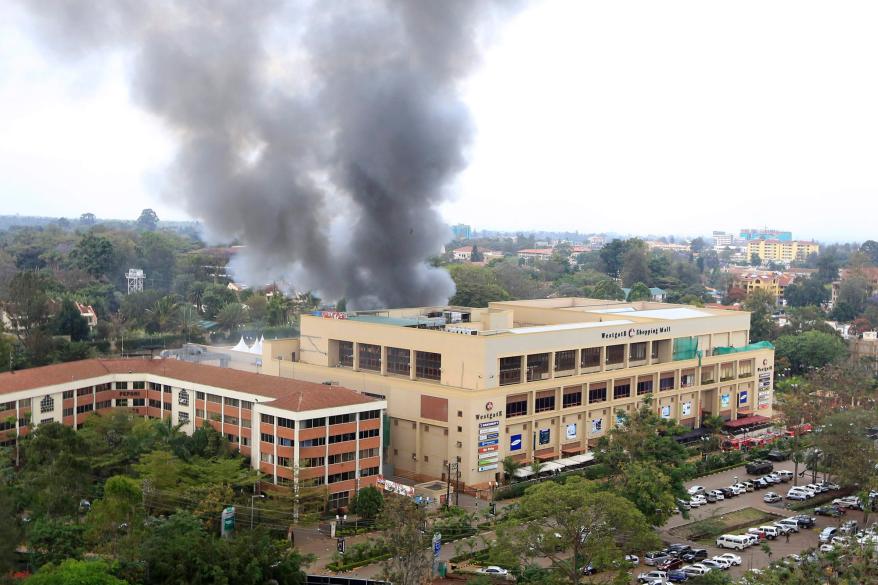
<point x="323" y="134"/>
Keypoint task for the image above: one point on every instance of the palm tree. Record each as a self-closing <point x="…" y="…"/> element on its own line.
<point x="510" y="466"/>
<point x="165" y="314"/>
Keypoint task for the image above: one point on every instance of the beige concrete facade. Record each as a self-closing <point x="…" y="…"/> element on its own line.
<point x="781" y="251"/>
<point x="529" y="379"/>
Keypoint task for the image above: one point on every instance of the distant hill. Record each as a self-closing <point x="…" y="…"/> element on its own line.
<point x="8" y="222"/>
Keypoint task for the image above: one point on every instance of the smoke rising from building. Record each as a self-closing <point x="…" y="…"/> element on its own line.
<point x="322" y="134"/>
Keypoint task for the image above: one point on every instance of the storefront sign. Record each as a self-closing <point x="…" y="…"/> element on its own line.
<point x="489" y="442"/>
<point x="515" y="442"/>
<point x="489" y="449"/>
<point x="725" y="400"/>
<point x="488" y="467"/>
<point x="666" y="412"/>
<point x="489" y="436"/>
<point x="686" y="409"/>
<point x="636" y="332"/>
<point x="742" y="397"/>
<point x="571" y="431"/>
<point x="494" y="423"/>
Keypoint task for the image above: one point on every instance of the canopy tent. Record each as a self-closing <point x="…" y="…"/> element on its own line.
<point x="523" y="472"/>
<point x="582" y="458"/>
<point x="241" y="345"/>
<point x="551" y="467"/>
<point x="256" y="348"/>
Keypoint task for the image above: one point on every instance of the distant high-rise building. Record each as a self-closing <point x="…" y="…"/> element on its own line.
<point x="781" y="251"/>
<point x="722" y="239"/>
<point x="462" y="231"/>
<point x="766" y="234"/>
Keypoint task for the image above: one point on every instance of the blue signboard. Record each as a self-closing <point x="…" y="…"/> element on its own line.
<point x="488" y="443"/>
<point x="742" y="397"/>
<point x="545" y="436"/>
<point x="515" y="443"/>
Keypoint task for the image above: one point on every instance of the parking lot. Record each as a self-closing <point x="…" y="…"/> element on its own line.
<point x="752" y="557"/>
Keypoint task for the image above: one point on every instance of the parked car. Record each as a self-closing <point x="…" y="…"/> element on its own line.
<point x="697" y="501"/>
<point x="757" y="532"/>
<point x="677" y="549"/>
<point x="785" y="474"/>
<point x="832" y="511"/>
<point x="771" y="497"/>
<point x="683" y="504"/>
<point x="792" y="523"/>
<point x="655" y="558"/>
<point x="804" y="520"/>
<point x="696" y="570"/>
<point x="695" y="490"/>
<point x="730" y="557"/>
<point x="849" y="527"/>
<point x="827" y="533"/>
<point x="727" y="492"/>
<point x="817" y="488"/>
<point x="733" y="541"/>
<point x="671" y="564"/>
<point x="718" y="494"/>
<point x="677" y="576"/>
<point x="651" y="576"/>
<point x="696" y="554"/>
<point x="761" y="484"/>
<point x="849" y="502"/>
<point x="715" y="565"/>
<point x="783" y="528"/>
<point x="493" y="570"/>
<point x="771" y="532"/>
<point x="589" y="570"/>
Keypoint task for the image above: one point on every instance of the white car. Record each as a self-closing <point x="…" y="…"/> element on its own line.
<point x="718" y="495"/>
<point x="737" y="490"/>
<point x="848" y="502"/>
<point x="634" y="559"/>
<point x="729" y="558"/>
<point x="695" y="489"/>
<point x="493" y="570"/>
<point x="715" y="565"/>
<point x="698" y="501"/>
<point x="827" y="534"/>
<point x="651" y="576"/>
<point x="789" y="523"/>
<point x="696" y="570"/>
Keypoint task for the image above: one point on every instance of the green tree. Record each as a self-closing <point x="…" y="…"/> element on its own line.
<point x="54" y="540"/>
<point x="476" y="255"/>
<point x="761" y="304"/>
<point x="510" y="466"/>
<point x="809" y="350"/>
<point x="870" y="249"/>
<point x="10" y="531"/>
<point x="73" y="572"/>
<point x="697" y="245"/>
<point x="368" y="503"/>
<point x="164" y="316"/>
<point x="635" y="264"/>
<point x="148" y="220"/>
<point x="411" y="558"/>
<point x="117" y="513"/>
<point x="94" y="254"/>
<point x="574" y="524"/>
<point x="232" y="316"/>
<point x="27" y="302"/>
<point x="608" y="289"/>
<point x="847" y="450"/>
<point x="612" y="256"/>
<point x="805" y="292"/>
<point x="853" y="293"/>
<point x="639" y="292"/>
<point x="70" y="322"/>
<point x="476" y="286"/>
<point x="215" y="298"/>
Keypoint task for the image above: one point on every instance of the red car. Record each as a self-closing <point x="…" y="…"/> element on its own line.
<point x="671" y="564"/>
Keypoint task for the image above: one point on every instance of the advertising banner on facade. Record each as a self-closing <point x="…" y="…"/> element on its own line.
<point x="515" y="442"/>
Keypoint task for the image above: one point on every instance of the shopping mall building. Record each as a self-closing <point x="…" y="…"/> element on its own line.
<point x="540" y="379"/>
<point x="321" y="435"/>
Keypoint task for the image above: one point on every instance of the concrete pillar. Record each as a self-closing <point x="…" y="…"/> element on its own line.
<point x="383" y="360"/>
<point x="578" y="362"/>
<point x="412" y="360"/>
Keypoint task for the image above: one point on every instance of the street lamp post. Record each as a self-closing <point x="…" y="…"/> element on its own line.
<point x="252" y="499"/>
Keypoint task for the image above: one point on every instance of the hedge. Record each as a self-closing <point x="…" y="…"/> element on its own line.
<point x="341" y="566"/>
<point x="516" y="490"/>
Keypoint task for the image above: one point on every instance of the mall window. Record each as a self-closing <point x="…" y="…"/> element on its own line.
<point x="342" y="457"/>
<point x="687" y="379"/>
<point x="516" y="406"/>
<point x="369" y="471"/>
<point x="368" y="433"/>
<point x="565" y="361"/>
<point x="644" y="387"/>
<point x="285" y="423"/>
<point x="285" y="442"/>
<point x="597" y="393"/>
<point x="231" y="402"/>
<point x="572" y="397"/>
<point x="139" y="402"/>
<point x="544" y="402"/>
<point x="621" y="389"/>
<point x="370" y="414"/>
<point x="47" y="404"/>
<point x="213" y="398"/>
<point x="537" y="366"/>
<point x="510" y="370"/>
<point x="342" y="438"/>
<point x="666" y="382"/>
<point x="183" y="398"/>
<point x="338" y="500"/>
<point x="138" y="385"/>
<point x="591" y="357"/>
<point x="182" y="417"/>
<point x="313" y="462"/>
<point x="615" y="354"/>
<point x="314" y="422"/>
<point x="398" y="361"/>
<point x="121" y="385"/>
<point x="370" y="357"/>
<point x="428" y="365"/>
<point x="83" y="392"/>
<point x="343" y="476"/>
<point x="340" y="419"/>
<point x="637" y="352"/>
<point x="346" y="354"/>
<point x="267" y="419"/>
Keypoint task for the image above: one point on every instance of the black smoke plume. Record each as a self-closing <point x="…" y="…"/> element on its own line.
<point x="322" y="134"/>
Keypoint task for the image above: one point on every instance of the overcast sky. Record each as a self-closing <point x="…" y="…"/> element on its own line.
<point x="632" y="117"/>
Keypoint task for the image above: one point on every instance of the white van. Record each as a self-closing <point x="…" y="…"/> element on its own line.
<point x="790" y="523"/>
<point x="751" y="538"/>
<point x="784" y="474"/>
<point x="732" y="541"/>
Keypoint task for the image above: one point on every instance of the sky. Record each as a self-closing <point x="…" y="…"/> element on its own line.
<point x="636" y="117"/>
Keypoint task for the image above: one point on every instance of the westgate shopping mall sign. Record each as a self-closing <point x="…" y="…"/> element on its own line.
<point x="636" y="332"/>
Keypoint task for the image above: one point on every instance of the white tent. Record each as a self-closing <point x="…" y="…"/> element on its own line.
<point x="257" y="347"/>
<point x="241" y="345"/>
<point x="523" y="472"/>
<point x="551" y="467"/>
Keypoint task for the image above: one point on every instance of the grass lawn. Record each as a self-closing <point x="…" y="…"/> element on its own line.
<point x="705" y="531"/>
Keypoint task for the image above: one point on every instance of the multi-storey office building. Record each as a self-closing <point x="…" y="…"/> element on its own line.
<point x="539" y="379"/>
<point x="291" y="430"/>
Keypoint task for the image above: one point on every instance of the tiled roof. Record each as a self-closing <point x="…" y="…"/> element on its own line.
<point x="294" y="395"/>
